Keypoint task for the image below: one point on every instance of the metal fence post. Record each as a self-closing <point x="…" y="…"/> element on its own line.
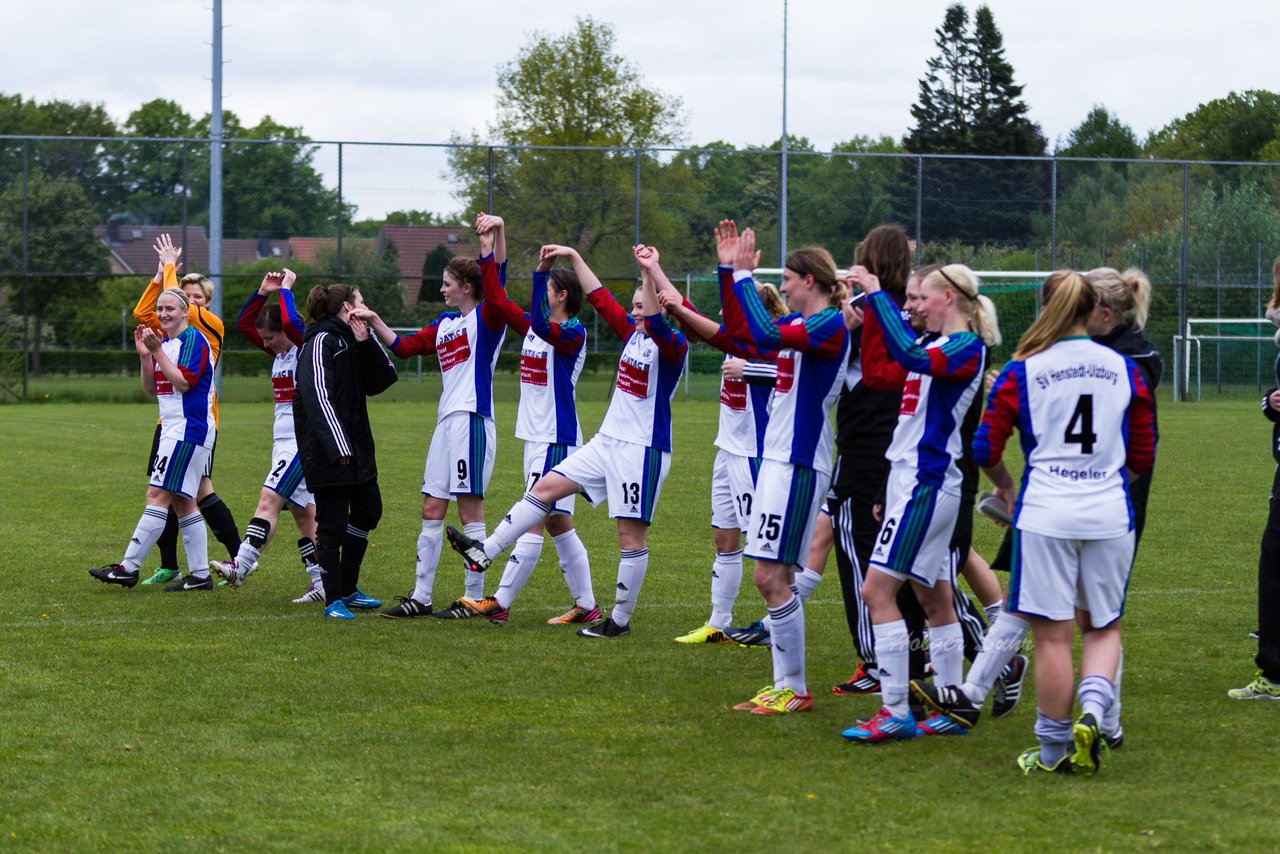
<point x="1053" y="216"/>
<point x="919" y="208"/>
<point x="637" y="194"/>
<point x="26" y="263"/>
<point x="186" y="189"/>
<point x="490" y="178"/>
<point x="341" y="267"/>
<point x="1183" y="267"/>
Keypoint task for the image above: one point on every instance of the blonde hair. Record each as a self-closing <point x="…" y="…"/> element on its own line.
<point x="1067" y="301"/>
<point x="817" y="262"/>
<point x="772" y="300"/>
<point x="1128" y="294"/>
<point x="198" y="279"/>
<point x="174" y="292"/>
<point x="1274" y="302"/>
<point x="964" y="282"/>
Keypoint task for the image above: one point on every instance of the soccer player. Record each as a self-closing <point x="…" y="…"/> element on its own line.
<point x="1088" y="427"/>
<point x="628" y="459"/>
<point x="744" y="415"/>
<point x="552" y="354"/>
<point x="178" y="372"/>
<point x="922" y="498"/>
<point x="1266" y="683"/>
<point x="198" y="290"/>
<point x="795" y="474"/>
<point x="340" y="364"/>
<point x="274" y="327"/>
<point x="460" y="457"/>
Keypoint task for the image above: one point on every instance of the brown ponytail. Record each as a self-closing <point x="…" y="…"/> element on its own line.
<point x="327" y="300"/>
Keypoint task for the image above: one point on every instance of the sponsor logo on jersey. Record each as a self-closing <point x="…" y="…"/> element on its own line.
<point x="633" y="377"/>
<point x="453" y="350"/>
<point x="533" y="368"/>
<point x="282" y="388"/>
<point x="733" y="394"/>
<point x="163" y="386"/>
<point x="786" y="373"/>
<point x="910" y="396"/>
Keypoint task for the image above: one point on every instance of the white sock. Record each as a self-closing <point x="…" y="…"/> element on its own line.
<point x="806" y="582"/>
<point x="632" y="565"/>
<point x="946" y="652"/>
<point x="1096" y="694"/>
<point x="149" y="528"/>
<point x="521" y="518"/>
<point x="195" y="542"/>
<point x="473" y="582"/>
<point x="576" y="567"/>
<point x="1003" y="641"/>
<point x="424" y="572"/>
<point x="1111" y="722"/>
<point x="788" y="645"/>
<point x="524" y="557"/>
<point x="726" y="579"/>
<point x="893" y="659"/>
<point x="247" y="557"/>
<point x="993" y="611"/>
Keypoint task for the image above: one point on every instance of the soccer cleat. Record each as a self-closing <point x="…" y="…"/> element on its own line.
<point x="115" y="573"/>
<point x="190" y="582"/>
<point x="917" y="713"/>
<point x="315" y="593"/>
<point x="161" y="576"/>
<point x="1029" y="762"/>
<point x="1261" y="688"/>
<point x="606" y="628"/>
<point x="487" y="607"/>
<point x="228" y="571"/>
<point x="1114" y="740"/>
<point x="456" y="611"/>
<point x="472" y="550"/>
<point x="704" y="634"/>
<point x="338" y="610"/>
<point x="861" y="682"/>
<point x="883" y="726"/>
<point x="755" y="634"/>
<point x="1007" y="691"/>
<point x="360" y="602"/>
<point x="784" y="701"/>
<point x="948" y="700"/>
<point x="576" y="614"/>
<point x="408" y="607"/>
<point x="761" y="697"/>
<point x="940" y="725"/>
<point x="1253" y="634"/>
<point x="1089" y="746"/>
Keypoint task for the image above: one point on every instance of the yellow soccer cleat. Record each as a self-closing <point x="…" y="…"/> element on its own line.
<point x="784" y="701"/>
<point x="755" y="702"/>
<point x="704" y="634"/>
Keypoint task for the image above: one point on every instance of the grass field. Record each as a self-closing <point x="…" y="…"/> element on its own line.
<point x="234" y="720"/>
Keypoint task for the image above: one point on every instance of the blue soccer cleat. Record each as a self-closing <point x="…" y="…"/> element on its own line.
<point x="338" y="611"/>
<point x="360" y="602"/>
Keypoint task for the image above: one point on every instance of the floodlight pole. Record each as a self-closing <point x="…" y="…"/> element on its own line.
<point x="782" y="171"/>
<point x="215" y="176"/>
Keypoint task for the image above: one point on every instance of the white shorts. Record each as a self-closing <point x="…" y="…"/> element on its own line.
<point x="179" y="465"/>
<point x="1050" y="577"/>
<point x="285" y="475"/>
<point x="460" y="456"/>
<point x="788" y="500"/>
<point x="629" y="475"/>
<point x="733" y="488"/>
<point x="540" y="458"/>
<point x="915" y="538"/>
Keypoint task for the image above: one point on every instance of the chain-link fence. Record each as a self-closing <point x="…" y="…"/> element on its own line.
<point x="78" y="217"/>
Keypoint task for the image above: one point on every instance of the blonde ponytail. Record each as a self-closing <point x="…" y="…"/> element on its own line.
<point x="1067" y="300"/>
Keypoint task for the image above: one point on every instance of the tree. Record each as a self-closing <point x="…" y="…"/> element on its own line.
<point x="1238" y="127"/>
<point x="59" y="240"/>
<point x="79" y="160"/>
<point x="999" y="124"/>
<point x="153" y="177"/>
<point x="942" y="111"/>
<point x="433" y="273"/>
<point x="1100" y="134"/>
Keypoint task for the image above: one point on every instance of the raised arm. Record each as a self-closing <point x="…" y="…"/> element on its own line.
<point x="567" y="338"/>
<point x="166" y="277"/>
<point x="247" y="320"/>
<point x="496" y="307"/>
<point x="957" y="360"/>
<point x="672" y="346"/>
<point x="294" y="328"/>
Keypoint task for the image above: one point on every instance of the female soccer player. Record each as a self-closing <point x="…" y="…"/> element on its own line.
<point x="923" y="493"/>
<point x="340" y="364"/>
<point x="1088" y="427"/>
<point x="744" y="415"/>
<point x="178" y="372"/>
<point x="198" y="291"/>
<point x="460" y="456"/>
<point x="628" y="459"/>
<point x="551" y="358"/>
<point x="276" y="329"/>
<point x="795" y="473"/>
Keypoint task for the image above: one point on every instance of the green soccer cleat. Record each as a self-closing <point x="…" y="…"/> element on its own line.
<point x="161" y="576"/>
<point x="1029" y="762"/>
<point x="1261" y="688"/>
<point x="1089" y="746"/>
<point x="704" y="634"/>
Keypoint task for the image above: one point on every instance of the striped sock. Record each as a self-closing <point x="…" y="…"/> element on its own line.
<point x="806" y="582"/>
<point x="632" y="565"/>
<point x="148" y="530"/>
<point x="521" y="518"/>
<point x="788" y="645"/>
<point x="520" y="566"/>
<point x="195" y="542"/>
<point x="893" y="657"/>
<point x="726" y="581"/>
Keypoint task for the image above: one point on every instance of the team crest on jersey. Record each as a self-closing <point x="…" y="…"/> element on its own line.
<point x="454" y="350"/>
<point x="733" y="394"/>
<point x="786" y="373"/>
<point x="910" y="396"/>
<point x="533" y="368"/>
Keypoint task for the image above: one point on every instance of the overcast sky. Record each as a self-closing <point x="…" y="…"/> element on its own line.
<point x="404" y="71"/>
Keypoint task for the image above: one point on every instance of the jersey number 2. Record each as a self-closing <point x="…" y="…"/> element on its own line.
<point x="1080" y="428"/>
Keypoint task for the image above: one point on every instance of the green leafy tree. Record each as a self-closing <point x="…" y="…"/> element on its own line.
<point x="79" y="160"/>
<point x="1100" y="134"/>
<point x="942" y="110"/>
<point x="59" y="239"/>
<point x="433" y="273"/>
<point x="1000" y="124"/>
<point x="1242" y="127"/>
